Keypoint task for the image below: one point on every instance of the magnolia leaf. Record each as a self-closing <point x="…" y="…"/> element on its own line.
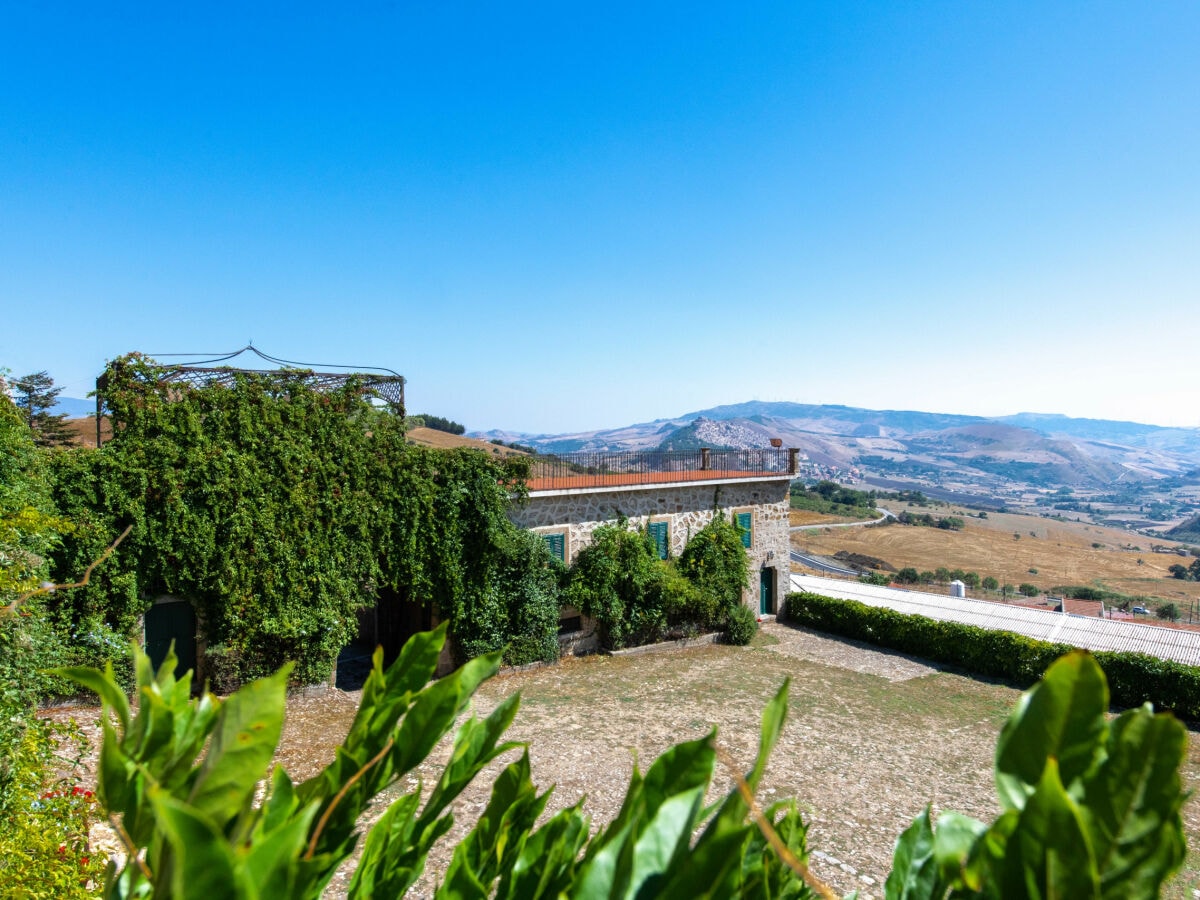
<point x="203" y="865"/>
<point x="1132" y="803"/>
<point x="914" y="870"/>
<point x="547" y="858"/>
<point x="1060" y="718"/>
<point x="247" y="732"/>
<point x="664" y="840"/>
<point x="1047" y="854"/>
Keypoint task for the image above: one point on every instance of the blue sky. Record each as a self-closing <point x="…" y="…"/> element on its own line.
<point x="553" y="217"/>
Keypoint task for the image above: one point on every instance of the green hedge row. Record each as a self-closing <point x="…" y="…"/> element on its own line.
<point x="1133" y="678"/>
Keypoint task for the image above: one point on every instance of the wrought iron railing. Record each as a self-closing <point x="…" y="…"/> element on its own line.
<point x="602" y="469"/>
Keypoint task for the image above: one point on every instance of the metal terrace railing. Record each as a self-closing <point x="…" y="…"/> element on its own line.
<point x="612" y="469"/>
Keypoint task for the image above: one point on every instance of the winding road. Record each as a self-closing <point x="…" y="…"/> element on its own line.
<point x="824" y="565"/>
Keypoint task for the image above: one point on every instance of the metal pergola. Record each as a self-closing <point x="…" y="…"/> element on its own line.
<point x="385" y="384"/>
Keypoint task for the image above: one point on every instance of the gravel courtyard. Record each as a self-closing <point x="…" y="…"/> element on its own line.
<point x="871" y="737"/>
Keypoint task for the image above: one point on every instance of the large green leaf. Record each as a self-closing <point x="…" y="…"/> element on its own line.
<point x="954" y="837"/>
<point x="497" y="839"/>
<point x="202" y="865"/>
<point x="914" y="874"/>
<point x="435" y="708"/>
<point x="248" y="729"/>
<point x="385" y="869"/>
<point x="1046" y="854"/>
<point x="547" y="859"/>
<point x="270" y="860"/>
<point x="1060" y="718"/>
<point x="1131" y="805"/>
<point x="475" y="745"/>
<point x="664" y="841"/>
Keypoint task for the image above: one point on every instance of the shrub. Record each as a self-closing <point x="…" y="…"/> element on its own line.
<point x="742" y="625"/>
<point x="45" y="820"/>
<point x="689" y="609"/>
<point x="1169" y="611"/>
<point x="715" y="561"/>
<point x="615" y="581"/>
<point x="517" y="609"/>
<point x="1134" y="678"/>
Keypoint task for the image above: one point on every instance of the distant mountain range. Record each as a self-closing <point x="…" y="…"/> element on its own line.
<point x="967" y="451"/>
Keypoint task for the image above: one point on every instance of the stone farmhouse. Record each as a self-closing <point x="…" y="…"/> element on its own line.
<point x="674" y="495"/>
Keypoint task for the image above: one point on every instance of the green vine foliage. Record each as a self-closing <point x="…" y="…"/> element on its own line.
<point x="637" y="598"/>
<point x="279" y="511"/>
<point x="715" y="561"/>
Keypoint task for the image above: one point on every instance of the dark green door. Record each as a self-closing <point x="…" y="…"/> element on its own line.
<point x="766" y="591"/>
<point x="166" y="622"/>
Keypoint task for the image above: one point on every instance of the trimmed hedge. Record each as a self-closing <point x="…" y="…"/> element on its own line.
<point x="1133" y="678"/>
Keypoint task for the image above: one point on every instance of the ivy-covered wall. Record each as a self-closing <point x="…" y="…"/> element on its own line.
<point x="279" y="511"/>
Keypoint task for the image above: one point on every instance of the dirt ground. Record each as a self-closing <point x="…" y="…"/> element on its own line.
<point x="871" y="737"/>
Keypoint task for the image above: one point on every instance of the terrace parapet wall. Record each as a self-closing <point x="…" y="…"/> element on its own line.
<point x="687" y="507"/>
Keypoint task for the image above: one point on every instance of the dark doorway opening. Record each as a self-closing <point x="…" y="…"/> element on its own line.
<point x="167" y="622"/>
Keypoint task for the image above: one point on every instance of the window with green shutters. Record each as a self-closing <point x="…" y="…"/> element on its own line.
<point x="658" y="534"/>
<point x="557" y="544"/>
<point x="744" y="521"/>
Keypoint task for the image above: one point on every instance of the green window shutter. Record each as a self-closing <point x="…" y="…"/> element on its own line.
<point x="658" y="533"/>
<point x="744" y="521"/>
<point x="557" y="544"/>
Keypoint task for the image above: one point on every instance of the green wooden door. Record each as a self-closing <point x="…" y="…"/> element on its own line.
<point x="766" y="591"/>
<point x="167" y="622"/>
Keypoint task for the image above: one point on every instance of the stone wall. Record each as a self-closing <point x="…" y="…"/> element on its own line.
<point x="685" y="507"/>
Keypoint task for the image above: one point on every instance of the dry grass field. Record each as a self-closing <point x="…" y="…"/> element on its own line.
<point x="83" y="430"/>
<point x="808" y="517"/>
<point x="431" y="437"/>
<point x="1008" y="546"/>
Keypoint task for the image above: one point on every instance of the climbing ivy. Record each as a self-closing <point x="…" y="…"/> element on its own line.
<point x="280" y="510"/>
<point x="637" y="598"/>
<point x="715" y="561"/>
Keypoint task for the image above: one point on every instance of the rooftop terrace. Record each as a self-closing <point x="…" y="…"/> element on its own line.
<point x="570" y="471"/>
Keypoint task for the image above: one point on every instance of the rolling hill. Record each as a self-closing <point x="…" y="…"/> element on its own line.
<point x="971" y="452"/>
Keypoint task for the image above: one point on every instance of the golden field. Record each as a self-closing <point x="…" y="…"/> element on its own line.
<point x="1008" y="545"/>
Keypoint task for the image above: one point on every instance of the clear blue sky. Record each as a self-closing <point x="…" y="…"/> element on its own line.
<point x="553" y="217"/>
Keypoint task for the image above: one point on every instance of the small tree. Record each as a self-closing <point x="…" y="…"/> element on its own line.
<point x="715" y="561"/>
<point x="908" y="575"/>
<point x="1168" y="611"/>
<point x="971" y="580"/>
<point x="35" y="395"/>
<point x="1178" y="571"/>
<point x="990" y="583"/>
<point x="612" y="580"/>
<point x="1029" y="590"/>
